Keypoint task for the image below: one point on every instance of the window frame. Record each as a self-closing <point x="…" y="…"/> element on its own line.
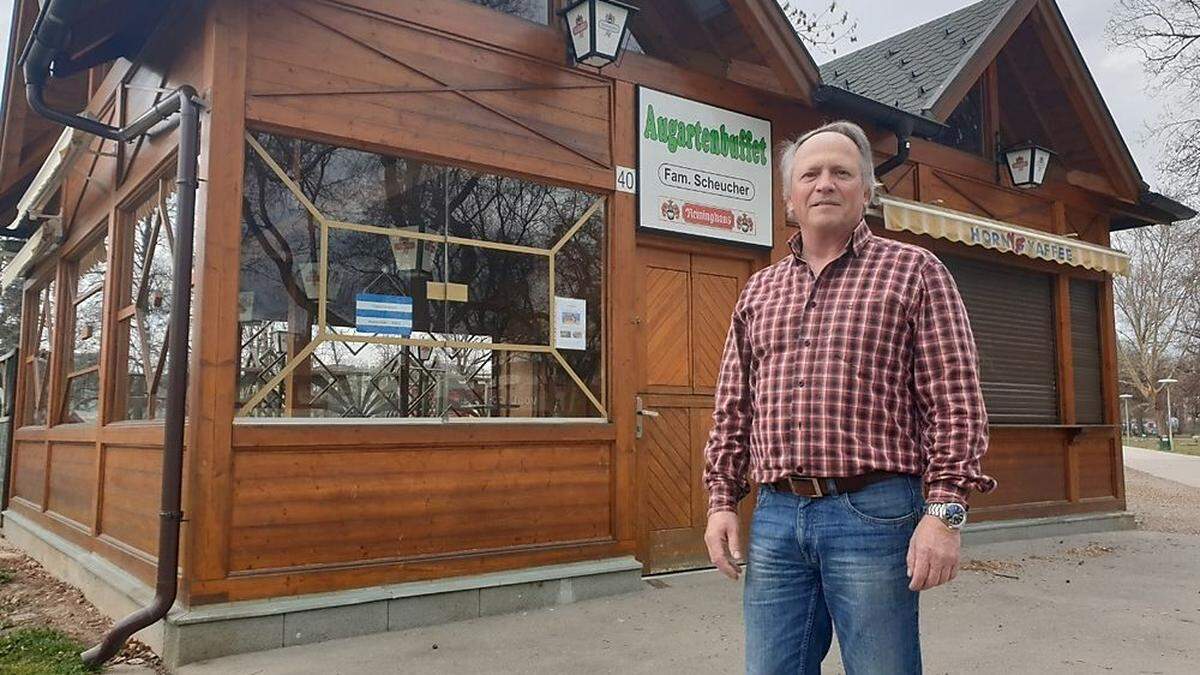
<point x="123" y="312"/>
<point x="603" y="200"/>
<point x="31" y="340"/>
<point x="70" y="300"/>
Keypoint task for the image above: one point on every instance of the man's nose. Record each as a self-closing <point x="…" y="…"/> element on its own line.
<point x="824" y="182"/>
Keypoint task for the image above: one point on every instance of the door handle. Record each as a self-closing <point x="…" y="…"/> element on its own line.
<point x="642" y="413"/>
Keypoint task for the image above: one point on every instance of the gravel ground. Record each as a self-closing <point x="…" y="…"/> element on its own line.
<point x="1162" y="505"/>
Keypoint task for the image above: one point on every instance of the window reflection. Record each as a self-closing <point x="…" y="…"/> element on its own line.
<point x="83" y="376"/>
<point x="37" y="379"/>
<point x="145" y="305"/>
<point x="472" y="272"/>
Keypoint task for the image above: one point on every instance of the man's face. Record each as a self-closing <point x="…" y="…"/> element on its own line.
<point x="828" y="188"/>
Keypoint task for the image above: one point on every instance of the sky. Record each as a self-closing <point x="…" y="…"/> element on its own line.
<point x="1118" y="73"/>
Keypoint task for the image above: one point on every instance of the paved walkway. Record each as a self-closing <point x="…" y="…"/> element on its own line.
<point x="1123" y="602"/>
<point x="1171" y="466"/>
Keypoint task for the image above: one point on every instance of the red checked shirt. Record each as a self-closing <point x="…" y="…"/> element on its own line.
<point x="870" y="366"/>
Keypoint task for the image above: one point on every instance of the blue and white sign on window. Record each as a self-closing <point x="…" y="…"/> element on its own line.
<point x="386" y="314"/>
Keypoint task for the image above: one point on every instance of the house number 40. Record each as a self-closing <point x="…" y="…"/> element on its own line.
<point x="626" y="180"/>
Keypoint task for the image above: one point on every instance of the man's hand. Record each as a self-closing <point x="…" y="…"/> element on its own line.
<point x="932" y="554"/>
<point x="724" y="542"/>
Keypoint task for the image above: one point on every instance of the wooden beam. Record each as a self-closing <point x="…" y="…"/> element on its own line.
<point x="1081" y="90"/>
<point x="767" y="26"/>
<point x="1091" y="181"/>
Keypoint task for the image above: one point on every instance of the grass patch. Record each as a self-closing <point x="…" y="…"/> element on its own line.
<point x="41" y="651"/>
<point x="6" y="576"/>
<point x="1184" y="445"/>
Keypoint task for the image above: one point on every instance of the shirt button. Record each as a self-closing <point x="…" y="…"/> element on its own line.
<point x="812" y="305"/>
<point x="808" y="343"/>
<point x="801" y="385"/>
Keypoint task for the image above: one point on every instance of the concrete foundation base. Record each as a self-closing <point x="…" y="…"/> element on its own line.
<point x="1034" y="528"/>
<point x="210" y="631"/>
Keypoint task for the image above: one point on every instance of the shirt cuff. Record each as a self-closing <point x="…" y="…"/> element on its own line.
<point x="722" y="497"/>
<point x="946" y="491"/>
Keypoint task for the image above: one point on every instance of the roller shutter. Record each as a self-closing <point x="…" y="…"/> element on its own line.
<point x="1012" y="315"/>
<point x="1085" y="350"/>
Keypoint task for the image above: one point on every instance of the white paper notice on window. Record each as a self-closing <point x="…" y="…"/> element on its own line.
<point x="570" y="323"/>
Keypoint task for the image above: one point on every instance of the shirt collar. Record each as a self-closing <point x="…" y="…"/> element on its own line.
<point x="860" y="240"/>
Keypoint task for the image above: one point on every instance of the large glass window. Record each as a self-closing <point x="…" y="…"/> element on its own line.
<point x="83" y="365"/>
<point x="144" y="302"/>
<point x="386" y="287"/>
<point x="37" y="362"/>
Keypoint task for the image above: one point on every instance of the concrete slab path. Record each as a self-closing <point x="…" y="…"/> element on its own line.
<point x="1125" y="602"/>
<point x="1169" y="465"/>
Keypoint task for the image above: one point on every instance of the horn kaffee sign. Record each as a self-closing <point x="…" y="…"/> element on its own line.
<point x="703" y="171"/>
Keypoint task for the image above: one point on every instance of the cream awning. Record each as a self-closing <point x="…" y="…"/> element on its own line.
<point x="902" y="215"/>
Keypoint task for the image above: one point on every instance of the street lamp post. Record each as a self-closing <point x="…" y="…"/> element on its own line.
<point x="1125" y="398"/>
<point x="1166" y="382"/>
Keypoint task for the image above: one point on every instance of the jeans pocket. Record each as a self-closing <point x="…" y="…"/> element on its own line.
<point x="889" y="502"/>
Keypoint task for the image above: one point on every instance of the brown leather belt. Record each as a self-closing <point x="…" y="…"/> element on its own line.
<point x="810" y="486"/>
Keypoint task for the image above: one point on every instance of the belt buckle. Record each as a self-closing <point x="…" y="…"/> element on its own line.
<point x="816" y="484"/>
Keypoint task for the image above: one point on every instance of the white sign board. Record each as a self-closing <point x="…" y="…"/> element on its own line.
<point x="703" y="171"/>
<point x="570" y="323"/>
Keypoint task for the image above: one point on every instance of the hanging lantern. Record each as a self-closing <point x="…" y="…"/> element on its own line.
<point x="1027" y="164"/>
<point x="596" y="29"/>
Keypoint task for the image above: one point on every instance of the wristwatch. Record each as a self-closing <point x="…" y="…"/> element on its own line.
<point x="953" y="514"/>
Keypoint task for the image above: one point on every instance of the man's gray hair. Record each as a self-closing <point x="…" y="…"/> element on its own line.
<point x="787" y="153"/>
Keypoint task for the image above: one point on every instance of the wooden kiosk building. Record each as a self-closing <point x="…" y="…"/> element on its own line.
<point x="532" y="433"/>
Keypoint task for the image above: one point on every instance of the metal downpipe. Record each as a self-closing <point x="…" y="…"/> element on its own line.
<point x="171" y="514"/>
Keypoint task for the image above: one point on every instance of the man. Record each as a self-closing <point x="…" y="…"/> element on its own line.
<point x="849" y="392"/>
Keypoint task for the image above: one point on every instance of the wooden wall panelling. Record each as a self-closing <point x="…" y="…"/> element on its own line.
<point x="29" y="471"/>
<point x="314" y="507"/>
<point x="1095" y="465"/>
<point x="443" y="101"/>
<point x="71" y="482"/>
<point x="1029" y="465"/>
<point x="621" y="318"/>
<point x="209" y="464"/>
<point x="132" y="486"/>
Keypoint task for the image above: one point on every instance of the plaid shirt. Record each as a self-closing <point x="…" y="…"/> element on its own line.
<point x="871" y="366"/>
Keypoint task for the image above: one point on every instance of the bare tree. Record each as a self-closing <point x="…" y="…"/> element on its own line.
<point x="10" y="310"/>
<point x="825" y="27"/>
<point x="1167" y="34"/>
<point x="1158" y="307"/>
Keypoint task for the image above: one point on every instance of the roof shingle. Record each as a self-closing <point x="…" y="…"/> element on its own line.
<point x="909" y="70"/>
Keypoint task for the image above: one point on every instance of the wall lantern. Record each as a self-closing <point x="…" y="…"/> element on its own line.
<point x="1027" y="164"/>
<point x="595" y="30"/>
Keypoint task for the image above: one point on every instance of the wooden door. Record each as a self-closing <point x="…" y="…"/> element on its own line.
<point x="684" y="302"/>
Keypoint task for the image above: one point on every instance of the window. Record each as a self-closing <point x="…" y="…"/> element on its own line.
<point x="83" y="364"/>
<point x="144" y="302"/>
<point x="965" y="125"/>
<point x="1012" y="316"/>
<point x="537" y="11"/>
<point x="37" y="362"/>
<point x="415" y="290"/>
<point x="1085" y="351"/>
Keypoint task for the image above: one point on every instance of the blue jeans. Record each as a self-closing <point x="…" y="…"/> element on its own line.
<point x="834" y="562"/>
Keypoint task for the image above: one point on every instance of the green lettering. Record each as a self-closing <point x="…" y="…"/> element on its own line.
<point x="650" y="134"/>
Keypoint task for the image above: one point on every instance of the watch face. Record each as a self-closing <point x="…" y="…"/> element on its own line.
<point x="956" y="515"/>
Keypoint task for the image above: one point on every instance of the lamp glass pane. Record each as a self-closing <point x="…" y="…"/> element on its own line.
<point x="1041" y="160"/>
<point x="1020" y="165"/>
<point x="580" y="27"/>
<point x="610" y="25"/>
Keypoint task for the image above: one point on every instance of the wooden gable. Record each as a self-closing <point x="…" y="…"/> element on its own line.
<point x="1045" y="93"/>
<point x="736" y="39"/>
